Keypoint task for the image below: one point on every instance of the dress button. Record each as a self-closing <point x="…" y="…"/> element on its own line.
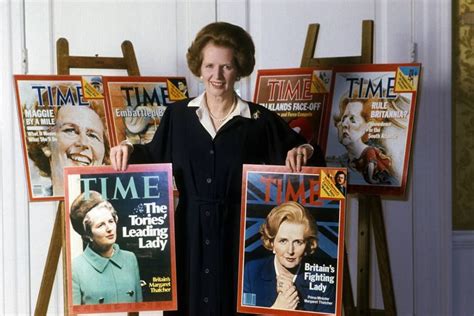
<point x="211" y="152"/>
<point x="207" y="241"/>
<point x="207" y="213"/>
<point x="206" y="271"/>
<point x="208" y="180"/>
<point x="205" y="299"/>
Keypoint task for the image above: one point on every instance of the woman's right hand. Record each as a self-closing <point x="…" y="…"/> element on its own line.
<point x="119" y="156"/>
<point x="287" y="299"/>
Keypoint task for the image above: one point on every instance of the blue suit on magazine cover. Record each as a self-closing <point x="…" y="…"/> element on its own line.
<point x="99" y="280"/>
<point x="260" y="287"/>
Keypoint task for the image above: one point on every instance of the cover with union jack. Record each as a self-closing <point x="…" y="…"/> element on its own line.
<point x="291" y="240"/>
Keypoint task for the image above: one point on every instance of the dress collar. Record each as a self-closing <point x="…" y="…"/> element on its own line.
<point x="242" y="109"/>
<point x="99" y="263"/>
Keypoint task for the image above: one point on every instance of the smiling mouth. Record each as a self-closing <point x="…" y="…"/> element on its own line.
<point x="217" y="84"/>
<point x="112" y="236"/>
<point x="80" y="159"/>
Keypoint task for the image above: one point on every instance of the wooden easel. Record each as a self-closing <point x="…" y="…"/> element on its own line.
<point x="370" y="206"/>
<point x="64" y="63"/>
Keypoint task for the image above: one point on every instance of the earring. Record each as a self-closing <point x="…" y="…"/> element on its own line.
<point x="46" y="151"/>
<point x="237" y="78"/>
<point x="274" y="252"/>
<point x="201" y="78"/>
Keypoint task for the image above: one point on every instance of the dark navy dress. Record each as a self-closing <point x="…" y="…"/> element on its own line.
<point x="208" y="174"/>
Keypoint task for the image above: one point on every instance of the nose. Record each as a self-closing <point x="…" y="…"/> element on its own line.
<point x="83" y="140"/>
<point x="109" y="227"/>
<point x="218" y="72"/>
<point x="344" y="122"/>
<point x="291" y="249"/>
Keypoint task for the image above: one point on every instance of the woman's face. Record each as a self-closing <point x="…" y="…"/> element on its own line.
<point x="80" y="138"/>
<point x="352" y="126"/>
<point x="218" y="70"/>
<point x="103" y="227"/>
<point x="289" y="244"/>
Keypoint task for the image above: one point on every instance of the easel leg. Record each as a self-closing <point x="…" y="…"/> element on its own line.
<point x="51" y="265"/>
<point x="382" y="256"/>
<point x="363" y="257"/>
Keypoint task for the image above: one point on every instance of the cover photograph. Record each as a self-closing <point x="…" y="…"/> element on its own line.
<point x="371" y="125"/>
<point x="138" y="103"/>
<point x="120" y="247"/>
<point x="63" y="122"/>
<point x="291" y="241"/>
<point x="299" y="96"/>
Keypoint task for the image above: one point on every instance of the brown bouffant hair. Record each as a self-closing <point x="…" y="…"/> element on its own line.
<point x="225" y="35"/>
<point x="81" y="206"/>
<point x="291" y="212"/>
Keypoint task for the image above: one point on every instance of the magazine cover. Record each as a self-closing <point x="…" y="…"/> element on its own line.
<point x="63" y="123"/>
<point x="298" y="95"/>
<point x="120" y="247"/>
<point x="138" y="103"/>
<point x="371" y="124"/>
<point x="292" y="241"/>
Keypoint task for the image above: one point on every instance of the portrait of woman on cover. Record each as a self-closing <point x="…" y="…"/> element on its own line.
<point x="277" y="281"/>
<point x="103" y="273"/>
<point x="80" y="139"/>
<point x="363" y="154"/>
<point x="208" y="139"/>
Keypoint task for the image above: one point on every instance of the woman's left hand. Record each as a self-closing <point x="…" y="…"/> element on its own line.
<point x="297" y="157"/>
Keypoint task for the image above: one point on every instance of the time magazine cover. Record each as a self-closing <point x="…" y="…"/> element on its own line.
<point x="371" y="124"/>
<point x="138" y="103"/>
<point x="298" y="95"/>
<point x="291" y="241"/>
<point x="120" y="246"/>
<point x="63" y="123"/>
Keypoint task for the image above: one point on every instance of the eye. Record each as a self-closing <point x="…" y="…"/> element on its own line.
<point x="299" y="242"/>
<point x="94" y="135"/>
<point x="228" y="67"/>
<point x="283" y="241"/>
<point x="208" y="66"/>
<point x="69" y="129"/>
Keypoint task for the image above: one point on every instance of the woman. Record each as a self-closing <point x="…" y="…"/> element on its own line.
<point x="80" y="139"/>
<point x="103" y="273"/>
<point x="279" y="281"/>
<point x="208" y="139"/>
<point x="352" y="125"/>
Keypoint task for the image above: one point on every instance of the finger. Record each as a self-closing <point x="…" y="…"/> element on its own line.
<point x="299" y="161"/>
<point x="289" y="162"/>
<point x="294" y="295"/>
<point x="124" y="161"/>
<point x="118" y="158"/>
<point x="113" y="153"/>
<point x="305" y="156"/>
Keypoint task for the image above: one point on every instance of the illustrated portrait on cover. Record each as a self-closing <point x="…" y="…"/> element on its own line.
<point x="61" y="129"/>
<point x="292" y="243"/>
<point x="138" y="104"/>
<point x="103" y="273"/>
<point x="119" y="239"/>
<point x="369" y="128"/>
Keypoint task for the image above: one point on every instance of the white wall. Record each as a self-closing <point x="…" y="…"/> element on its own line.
<point x="418" y="226"/>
